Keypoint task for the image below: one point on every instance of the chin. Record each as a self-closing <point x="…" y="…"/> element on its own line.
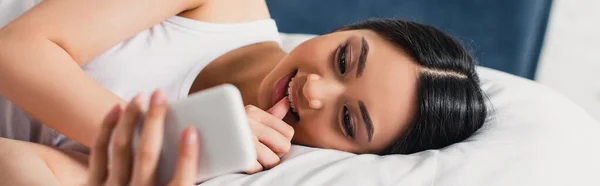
<point x="263" y="95"/>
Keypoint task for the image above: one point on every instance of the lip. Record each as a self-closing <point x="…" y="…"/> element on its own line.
<point x="281" y="86"/>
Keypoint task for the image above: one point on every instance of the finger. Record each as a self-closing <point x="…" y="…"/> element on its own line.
<point x="270" y="120"/>
<point x="278" y="143"/>
<point x="267" y="158"/>
<point x="99" y="154"/>
<point x="280" y="108"/>
<point x="150" y="144"/>
<point x="120" y="164"/>
<point x="187" y="161"/>
<point x="257" y="167"/>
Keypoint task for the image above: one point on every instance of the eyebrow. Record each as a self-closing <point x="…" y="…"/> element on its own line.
<point x="367" y="120"/>
<point x="362" y="59"/>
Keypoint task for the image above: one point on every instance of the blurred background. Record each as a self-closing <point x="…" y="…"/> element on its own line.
<point x="570" y="59"/>
<point x="556" y="43"/>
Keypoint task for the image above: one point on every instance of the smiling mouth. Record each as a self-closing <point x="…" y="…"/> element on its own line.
<point x="290" y="97"/>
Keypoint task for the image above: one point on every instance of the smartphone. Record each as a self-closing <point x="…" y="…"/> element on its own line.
<point x="225" y="135"/>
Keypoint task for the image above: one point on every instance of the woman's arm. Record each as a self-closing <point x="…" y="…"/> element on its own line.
<point x="25" y="163"/>
<point x="41" y="53"/>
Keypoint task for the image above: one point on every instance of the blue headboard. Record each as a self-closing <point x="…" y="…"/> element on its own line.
<point x="502" y="34"/>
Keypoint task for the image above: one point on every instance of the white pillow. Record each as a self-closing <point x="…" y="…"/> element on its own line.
<point x="534" y="137"/>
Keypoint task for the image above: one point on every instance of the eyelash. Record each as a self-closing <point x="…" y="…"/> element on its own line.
<point x="342" y="60"/>
<point x="342" y="64"/>
<point x="346" y="122"/>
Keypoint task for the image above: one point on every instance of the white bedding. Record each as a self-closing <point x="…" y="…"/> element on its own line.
<point x="534" y="137"/>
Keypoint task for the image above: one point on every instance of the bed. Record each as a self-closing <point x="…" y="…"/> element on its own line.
<point x="534" y="136"/>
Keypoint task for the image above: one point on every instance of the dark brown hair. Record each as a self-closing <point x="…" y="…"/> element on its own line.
<point x="451" y="104"/>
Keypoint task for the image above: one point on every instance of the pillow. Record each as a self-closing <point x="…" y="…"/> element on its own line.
<point x="534" y="136"/>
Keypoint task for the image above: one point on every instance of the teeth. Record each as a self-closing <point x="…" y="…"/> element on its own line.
<point x="289" y="93"/>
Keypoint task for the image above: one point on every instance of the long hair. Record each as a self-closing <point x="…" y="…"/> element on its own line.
<point x="451" y="104"/>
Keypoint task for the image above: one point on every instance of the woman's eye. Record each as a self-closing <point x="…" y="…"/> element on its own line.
<point x="342" y="59"/>
<point x="347" y="123"/>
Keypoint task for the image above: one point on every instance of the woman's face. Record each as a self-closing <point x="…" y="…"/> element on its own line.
<point x="351" y="91"/>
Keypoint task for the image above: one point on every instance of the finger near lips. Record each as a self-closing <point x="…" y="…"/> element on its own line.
<point x="271" y="138"/>
<point x="188" y="158"/>
<point x="120" y="164"/>
<point x="150" y="144"/>
<point x="280" y="126"/>
<point x="280" y="108"/>
<point x="270" y="120"/>
<point x="99" y="154"/>
<point x="279" y="111"/>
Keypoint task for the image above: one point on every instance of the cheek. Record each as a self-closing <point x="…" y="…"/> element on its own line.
<point x="312" y="133"/>
<point x="320" y="134"/>
<point x="312" y="56"/>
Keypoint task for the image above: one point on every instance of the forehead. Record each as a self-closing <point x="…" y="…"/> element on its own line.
<point x="387" y="88"/>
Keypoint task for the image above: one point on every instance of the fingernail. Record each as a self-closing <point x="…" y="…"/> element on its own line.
<point x="283" y="100"/>
<point x="115" y="111"/>
<point x="158" y="98"/>
<point x="140" y="99"/>
<point x="192" y="136"/>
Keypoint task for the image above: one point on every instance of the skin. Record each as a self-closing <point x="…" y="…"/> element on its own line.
<point x="46" y="55"/>
<point x="25" y="163"/>
<point x="120" y="125"/>
<point x="48" y="59"/>
<point x="389" y="76"/>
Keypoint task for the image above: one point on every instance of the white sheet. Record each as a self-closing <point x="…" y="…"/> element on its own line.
<point x="534" y="137"/>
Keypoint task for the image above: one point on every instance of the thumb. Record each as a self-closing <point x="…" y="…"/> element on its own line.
<point x="280" y="108"/>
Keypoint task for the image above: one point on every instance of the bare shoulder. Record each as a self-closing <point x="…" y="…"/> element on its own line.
<point x="229" y="11"/>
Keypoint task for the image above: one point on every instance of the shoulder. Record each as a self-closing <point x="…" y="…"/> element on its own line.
<point x="227" y="11"/>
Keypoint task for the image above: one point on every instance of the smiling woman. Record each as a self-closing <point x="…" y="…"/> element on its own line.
<point x="379" y="86"/>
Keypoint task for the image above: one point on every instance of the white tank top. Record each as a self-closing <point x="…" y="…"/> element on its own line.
<point x="169" y="56"/>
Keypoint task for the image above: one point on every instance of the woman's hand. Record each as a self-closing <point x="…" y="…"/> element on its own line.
<point x="272" y="135"/>
<point x="125" y="168"/>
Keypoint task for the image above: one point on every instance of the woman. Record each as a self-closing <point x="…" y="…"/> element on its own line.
<point x="380" y="86"/>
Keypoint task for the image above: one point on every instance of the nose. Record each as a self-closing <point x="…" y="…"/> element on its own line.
<point x="319" y="91"/>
